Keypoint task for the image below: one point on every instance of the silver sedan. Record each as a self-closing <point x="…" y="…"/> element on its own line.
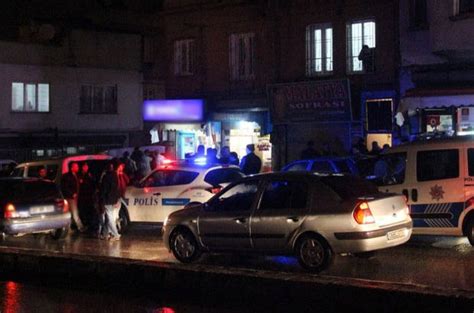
<point x="308" y="215"/>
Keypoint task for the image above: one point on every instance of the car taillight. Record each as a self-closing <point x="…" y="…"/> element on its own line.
<point x="10" y="211"/>
<point x="362" y="214"/>
<point x="63" y="204"/>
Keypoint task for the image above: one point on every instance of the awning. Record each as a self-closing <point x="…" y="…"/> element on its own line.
<point x="413" y="103"/>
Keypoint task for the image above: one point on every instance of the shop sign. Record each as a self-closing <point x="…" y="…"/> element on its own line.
<point x="188" y="110"/>
<point x="310" y="101"/>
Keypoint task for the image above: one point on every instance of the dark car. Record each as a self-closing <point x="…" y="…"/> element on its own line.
<point x="327" y="165"/>
<point x="30" y="205"/>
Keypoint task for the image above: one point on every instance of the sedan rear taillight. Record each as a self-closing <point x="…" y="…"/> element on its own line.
<point x="63" y="204"/>
<point x="10" y="211"/>
<point x="214" y="190"/>
<point x="362" y="214"/>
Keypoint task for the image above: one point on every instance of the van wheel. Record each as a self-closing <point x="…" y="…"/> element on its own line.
<point x="470" y="230"/>
<point x="60" y="233"/>
<point x="314" y="253"/>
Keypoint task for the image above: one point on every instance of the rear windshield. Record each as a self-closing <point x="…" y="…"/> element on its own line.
<point x="25" y="191"/>
<point x="223" y="175"/>
<point x="349" y="187"/>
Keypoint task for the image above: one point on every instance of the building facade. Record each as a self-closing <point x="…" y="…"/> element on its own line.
<point x="79" y="94"/>
<point x="436" y="77"/>
<point x="293" y="69"/>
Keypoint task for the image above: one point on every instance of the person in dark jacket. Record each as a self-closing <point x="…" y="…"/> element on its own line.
<point x="251" y="163"/>
<point x="87" y="198"/>
<point x="110" y="199"/>
<point x="70" y="190"/>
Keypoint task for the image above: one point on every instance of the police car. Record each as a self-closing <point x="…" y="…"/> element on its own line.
<point x="170" y="187"/>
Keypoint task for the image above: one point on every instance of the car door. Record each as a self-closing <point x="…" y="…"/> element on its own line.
<point x="158" y="195"/>
<point x="225" y="222"/>
<point x="281" y="211"/>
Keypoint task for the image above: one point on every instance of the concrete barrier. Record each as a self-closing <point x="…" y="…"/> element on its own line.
<point x="235" y="286"/>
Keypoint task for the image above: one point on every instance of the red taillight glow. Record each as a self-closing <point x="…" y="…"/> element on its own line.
<point x="167" y="161"/>
<point x="214" y="190"/>
<point x="362" y="214"/>
<point x="10" y="211"/>
<point x="63" y="204"/>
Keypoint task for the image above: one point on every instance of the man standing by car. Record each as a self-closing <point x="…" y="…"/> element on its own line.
<point x="251" y="163"/>
<point x="70" y="190"/>
<point x="110" y="198"/>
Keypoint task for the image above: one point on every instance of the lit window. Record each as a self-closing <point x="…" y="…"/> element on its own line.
<point x="242" y="56"/>
<point x="319" y="53"/>
<point x="98" y="99"/>
<point x="184" y="56"/>
<point x="28" y="97"/>
<point x="360" y="34"/>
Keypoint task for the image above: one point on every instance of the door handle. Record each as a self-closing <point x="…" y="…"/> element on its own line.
<point x="292" y="219"/>
<point x="414" y="195"/>
<point x="157" y="194"/>
<point x="240" y="220"/>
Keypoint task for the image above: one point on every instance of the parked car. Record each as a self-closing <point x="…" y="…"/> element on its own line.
<point x="344" y="165"/>
<point x="308" y="215"/>
<point x="170" y="187"/>
<point x="29" y="205"/>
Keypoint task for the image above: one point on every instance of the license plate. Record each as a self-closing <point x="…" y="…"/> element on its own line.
<point x="42" y="209"/>
<point x="399" y="233"/>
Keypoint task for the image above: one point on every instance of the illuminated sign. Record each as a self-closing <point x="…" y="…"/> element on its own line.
<point x="190" y="110"/>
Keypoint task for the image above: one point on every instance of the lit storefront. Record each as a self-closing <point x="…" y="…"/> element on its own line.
<point x="436" y="113"/>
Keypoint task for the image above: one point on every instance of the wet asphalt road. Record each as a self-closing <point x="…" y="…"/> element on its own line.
<point x="440" y="262"/>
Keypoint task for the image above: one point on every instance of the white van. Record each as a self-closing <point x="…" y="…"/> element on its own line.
<point x="437" y="178"/>
<point x="56" y="167"/>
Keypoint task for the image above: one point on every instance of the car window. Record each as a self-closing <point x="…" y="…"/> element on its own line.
<point x="470" y="161"/>
<point x="96" y="167"/>
<point x="223" y="175"/>
<point x="18" y="172"/>
<point x="343" y="166"/>
<point x="238" y="198"/>
<point x="349" y="187"/>
<point x="299" y="166"/>
<point x="27" y="191"/>
<point x="169" y="178"/>
<point x="284" y="194"/>
<point x="322" y="167"/>
<point x="437" y="164"/>
<point x="389" y="169"/>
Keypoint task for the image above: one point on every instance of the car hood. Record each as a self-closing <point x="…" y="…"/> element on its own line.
<point x="189" y="211"/>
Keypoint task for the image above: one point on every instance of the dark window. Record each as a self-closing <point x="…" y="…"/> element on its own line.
<point x="437" y="164"/>
<point x="379" y="115"/>
<point x="238" y="198"/>
<point x="223" y="175"/>
<point x="466" y="6"/>
<point x="284" y="195"/>
<point x="300" y="166"/>
<point x="418" y="14"/>
<point x="343" y="166"/>
<point x="28" y="191"/>
<point x="322" y="167"/>
<point x="170" y="178"/>
<point x="389" y="169"/>
<point x="349" y="187"/>
<point x="98" y="99"/>
<point x="470" y="161"/>
<point x="18" y="172"/>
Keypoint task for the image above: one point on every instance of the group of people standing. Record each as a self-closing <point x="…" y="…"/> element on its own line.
<point x="250" y="163"/>
<point x="95" y="205"/>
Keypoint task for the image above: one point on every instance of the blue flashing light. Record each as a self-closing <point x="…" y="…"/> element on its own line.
<point x="285" y="260"/>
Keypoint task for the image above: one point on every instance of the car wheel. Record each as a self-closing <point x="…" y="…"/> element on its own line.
<point x="184" y="246"/>
<point x="470" y="230"/>
<point x="123" y="221"/>
<point x="60" y="233"/>
<point x="314" y="253"/>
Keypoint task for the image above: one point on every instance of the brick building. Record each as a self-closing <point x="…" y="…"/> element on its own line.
<point x="297" y="59"/>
